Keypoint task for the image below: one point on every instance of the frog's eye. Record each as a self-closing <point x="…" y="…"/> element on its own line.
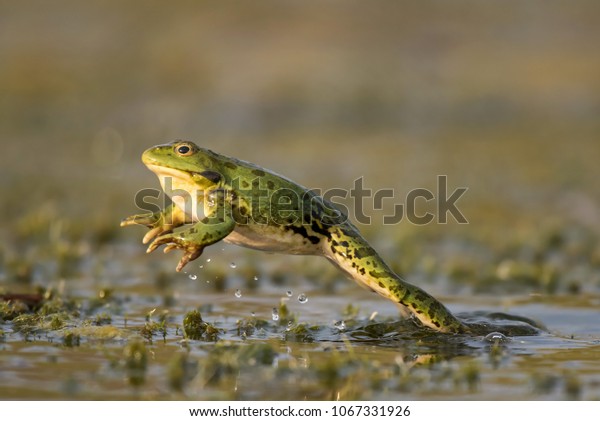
<point x="184" y="150"/>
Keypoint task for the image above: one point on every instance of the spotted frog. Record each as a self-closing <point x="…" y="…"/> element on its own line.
<point x="216" y="198"/>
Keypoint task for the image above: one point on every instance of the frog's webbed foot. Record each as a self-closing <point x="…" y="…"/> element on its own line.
<point x="191" y="250"/>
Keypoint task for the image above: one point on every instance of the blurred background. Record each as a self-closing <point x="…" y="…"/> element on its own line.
<point x="503" y="97"/>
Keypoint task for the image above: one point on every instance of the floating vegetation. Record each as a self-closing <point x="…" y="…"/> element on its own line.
<point x="71" y="339"/>
<point x="136" y="363"/>
<point x="181" y="369"/>
<point x="195" y="328"/>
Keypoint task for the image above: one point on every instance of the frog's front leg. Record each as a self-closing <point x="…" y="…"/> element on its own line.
<point x="193" y="239"/>
<point x="160" y="222"/>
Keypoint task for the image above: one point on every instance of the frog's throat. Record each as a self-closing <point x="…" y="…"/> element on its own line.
<point x="182" y="188"/>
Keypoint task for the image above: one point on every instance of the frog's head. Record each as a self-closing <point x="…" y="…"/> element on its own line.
<point x="183" y="165"/>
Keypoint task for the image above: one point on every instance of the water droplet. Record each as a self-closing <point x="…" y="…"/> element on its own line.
<point x="193" y="277"/>
<point x="289" y="325"/>
<point x="232" y="265"/>
<point x="302" y="298"/>
<point x="238" y="293"/>
<point x="255" y="278"/>
<point x="207" y="260"/>
<point x="275" y="314"/>
<point x="201" y="266"/>
<point x="496" y="337"/>
<point x="289" y="293"/>
<point x="341" y="325"/>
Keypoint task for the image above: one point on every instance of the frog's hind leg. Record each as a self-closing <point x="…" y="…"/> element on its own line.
<point x="350" y="252"/>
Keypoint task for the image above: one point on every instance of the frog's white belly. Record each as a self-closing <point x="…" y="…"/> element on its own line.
<point x="271" y="238"/>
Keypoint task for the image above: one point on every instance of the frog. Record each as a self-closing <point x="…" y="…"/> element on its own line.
<point x="220" y="198"/>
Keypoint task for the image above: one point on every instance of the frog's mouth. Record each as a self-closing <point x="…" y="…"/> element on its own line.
<point x="161" y="171"/>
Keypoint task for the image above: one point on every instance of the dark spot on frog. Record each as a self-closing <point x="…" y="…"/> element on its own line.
<point x="302" y="231"/>
<point x="245" y="184"/>
<point x="213" y="176"/>
<point x="270" y="185"/>
<point x="259" y="173"/>
<point x="363" y="252"/>
<point x="231" y="165"/>
<point x="375" y="274"/>
<point x="318" y="228"/>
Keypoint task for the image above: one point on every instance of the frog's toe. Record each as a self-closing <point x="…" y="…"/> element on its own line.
<point x="190" y="254"/>
<point x="153" y="233"/>
<point x="165" y="239"/>
<point x="148" y="220"/>
<point x="130" y="220"/>
<point x="170" y="247"/>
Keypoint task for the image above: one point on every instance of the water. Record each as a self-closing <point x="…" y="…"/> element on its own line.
<point x="302" y="298"/>
<point x="546" y="365"/>
<point x="238" y="293"/>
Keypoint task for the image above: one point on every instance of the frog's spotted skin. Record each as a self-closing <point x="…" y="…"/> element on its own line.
<point x="220" y="198"/>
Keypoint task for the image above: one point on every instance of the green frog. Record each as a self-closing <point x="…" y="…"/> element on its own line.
<point x="215" y="197"/>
